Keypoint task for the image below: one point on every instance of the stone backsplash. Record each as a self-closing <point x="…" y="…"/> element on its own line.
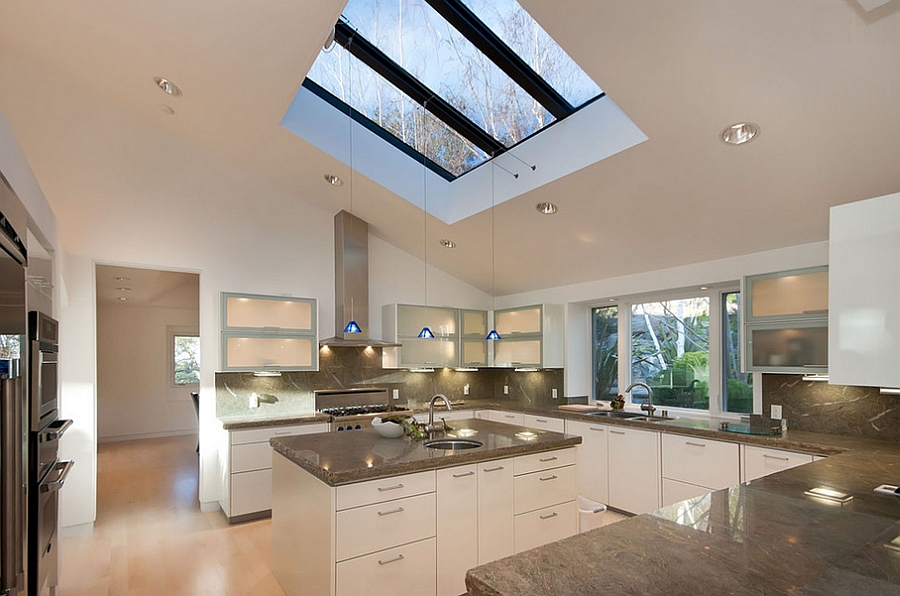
<point x="816" y="406"/>
<point x="342" y="368"/>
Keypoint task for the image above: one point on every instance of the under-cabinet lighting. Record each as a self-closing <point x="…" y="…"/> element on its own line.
<point x="889" y="391"/>
<point x="267" y="373"/>
<point x="526" y="369"/>
<point x="815" y="377"/>
<point x="466" y="369"/>
<point x="422" y="370"/>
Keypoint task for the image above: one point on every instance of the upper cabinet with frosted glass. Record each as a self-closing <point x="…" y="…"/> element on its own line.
<point x="402" y="323"/>
<point x="262" y="333"/>
<point x="530" y="336"/>
<point x="473" y="331"/>
<point x="863" y="253"/>
<point x="786" y="321"/>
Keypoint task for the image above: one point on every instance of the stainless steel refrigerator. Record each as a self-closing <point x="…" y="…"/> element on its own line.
<point x="14" y="426"/>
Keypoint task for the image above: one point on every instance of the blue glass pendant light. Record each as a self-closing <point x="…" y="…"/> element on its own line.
<point x="426" y="333"/>
<point x="352" y="327"/>
<point x="493" y="335"/>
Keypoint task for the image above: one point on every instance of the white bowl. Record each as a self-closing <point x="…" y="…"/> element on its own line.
<point x="387" y="429"/>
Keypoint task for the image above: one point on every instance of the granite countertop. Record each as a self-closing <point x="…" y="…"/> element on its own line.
<point x="763" y="537"/>
<point x="341" y="458"/>
<point x="244" y="421"/>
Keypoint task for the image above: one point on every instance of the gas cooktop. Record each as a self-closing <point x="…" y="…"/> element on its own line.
<point x="359" y="410"/>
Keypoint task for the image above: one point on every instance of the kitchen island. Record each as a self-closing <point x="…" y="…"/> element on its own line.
<point x="764" y="537"/>
<point x="355" y="513"/>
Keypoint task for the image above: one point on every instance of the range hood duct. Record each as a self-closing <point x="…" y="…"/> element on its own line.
<point x="351" y="282"/>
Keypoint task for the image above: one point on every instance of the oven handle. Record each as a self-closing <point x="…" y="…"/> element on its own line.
<point x="63" y="467"/>
<point x="56" y="429"/>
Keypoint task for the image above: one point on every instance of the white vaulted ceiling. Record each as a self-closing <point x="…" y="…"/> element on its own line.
<point x="820" y="77"/>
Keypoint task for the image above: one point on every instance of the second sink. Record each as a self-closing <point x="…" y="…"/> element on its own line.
<point x="453" y="444"/>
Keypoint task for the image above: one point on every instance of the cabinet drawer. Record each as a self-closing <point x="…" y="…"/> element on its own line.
<point x="262" y="435"/>
<point x="408" y="569"/>
<point x="555" y="424"/>
<point x="507" y="417"/>
<point x="703" y="462"/>
<point x="674" y="491"/>
<point x="545" y="488"/>
<point x="385" y="525"/>
<point x="544" y="460"/>
<point x="251" y="492"/>
<point x="251" y="456"/>
<point x="545" y="526"/>
<point x="384" y="489"/>
<point x="759" y="461"/>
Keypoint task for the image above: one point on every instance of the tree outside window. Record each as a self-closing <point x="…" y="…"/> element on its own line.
<point x="737" y="387"/>
<point x="187" y="359"/>
<point x="606" y="352"/>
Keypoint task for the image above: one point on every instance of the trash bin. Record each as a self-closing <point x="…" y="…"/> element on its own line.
<point x="590" y="514"/>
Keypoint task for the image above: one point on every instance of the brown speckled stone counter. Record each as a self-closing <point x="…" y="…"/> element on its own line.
<point x="243" y="422"/>
<point x="764" y="537"/>
<point x="343" y="457"/>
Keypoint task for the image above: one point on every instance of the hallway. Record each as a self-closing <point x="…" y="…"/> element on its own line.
<point x="151" y="538"/>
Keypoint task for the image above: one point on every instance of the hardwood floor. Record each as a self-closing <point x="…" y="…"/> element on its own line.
<point x="151" y="538"/>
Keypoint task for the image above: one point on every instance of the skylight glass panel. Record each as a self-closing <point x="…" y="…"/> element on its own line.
<point x="417" y="38"/>
<point x="354" y="83"/>
<point x="522" y="33"/>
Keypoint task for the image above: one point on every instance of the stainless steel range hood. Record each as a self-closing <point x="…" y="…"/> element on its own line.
<point x="351" y="282"/>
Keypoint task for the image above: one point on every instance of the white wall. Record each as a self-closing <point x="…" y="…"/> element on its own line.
<point x="580" y="298"/>
<point x="136" y="396"/>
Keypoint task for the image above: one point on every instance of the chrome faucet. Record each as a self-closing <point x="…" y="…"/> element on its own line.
<point x="431" y="427"/>
<point x="647" y="407"/>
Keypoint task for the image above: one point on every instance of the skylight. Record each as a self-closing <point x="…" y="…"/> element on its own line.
<point x="455" y="81"/>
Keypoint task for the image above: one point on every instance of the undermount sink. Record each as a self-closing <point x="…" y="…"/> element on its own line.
<point x="629" y="416"/>
<point x="453" y="444"/>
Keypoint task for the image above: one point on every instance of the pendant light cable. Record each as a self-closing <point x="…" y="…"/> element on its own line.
<point x="352" y="326"/>
<point x="493" y="335"/>
<point x="426" y="332"/>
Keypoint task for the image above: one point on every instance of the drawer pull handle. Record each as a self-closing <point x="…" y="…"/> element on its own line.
<point x="544" y="479"/>
<point x="554" y="514"/>
<point x="509" y="415"/>
<point x="383" y="489"/>
<point x="464" y="474"/>
<point x="541" y="420"/>
<point x="617" y="432"/>
<point x="283" y="432"/>
<point x="497" y="469"/>
<point x="767" y="456"/>
<point x="596" y="428"/>
<point x="546" y="459"/>
<point x="391" y="512"/>
<point x="395" y="559"/>
<point x="692" y="444"/>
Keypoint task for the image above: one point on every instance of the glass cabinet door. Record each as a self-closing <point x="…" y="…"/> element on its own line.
<point x="428" y="352"/>
<point x="788" y="295"/>
<point x="474" y="352"/>
<point x="517" y="352"/>
<point x="799" y="348"/>
<point x="270" y="313"/>
<point x="411" y="319"/>
<point x="269" y="352"/>
<point x="474" y="322"/>
<point x="519" y="320"/>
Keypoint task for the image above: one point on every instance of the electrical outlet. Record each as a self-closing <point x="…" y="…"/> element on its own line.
<point x="254" y="401"/>
<point x="506" y="390"/>
<point x="396" y="394"/>
<point x="466" y="389"/>
<point x="554" y="393"/>
<point x="776" y="412"/>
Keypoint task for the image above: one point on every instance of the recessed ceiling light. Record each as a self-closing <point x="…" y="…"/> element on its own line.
<point x="167" y="86"/>
<point x="167" y="109"/>
<point x="333" y="180"/>
<point x="704" y="287"/>
<point x="122" y="278"/>
<point x="740" y="133"/>
<point x="447" y="243"/>
<point x="122" y="298"/>
<point x="613" y="299"/>
<point x="546" y="208"/>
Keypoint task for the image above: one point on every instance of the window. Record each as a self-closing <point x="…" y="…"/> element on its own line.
<point x="606" y="352"/>
<point x="669" y="349"/>
<point x="454" y="81"/>
<point x="186" y="359"/>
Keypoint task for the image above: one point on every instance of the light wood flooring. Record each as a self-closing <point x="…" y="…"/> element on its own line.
<point x="151" y="538"/>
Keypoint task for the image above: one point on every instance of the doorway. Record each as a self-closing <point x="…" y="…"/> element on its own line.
<point x="148" y="352"/>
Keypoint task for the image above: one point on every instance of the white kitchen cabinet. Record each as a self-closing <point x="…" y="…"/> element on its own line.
<point x="786" y="321"/>
<point x="591" y="457"/>
<point x="495" y="510"/>
<point x="411" y="566"/>
<point x="543" y="526"/>
<point x="762" y="461"/>
<point x="544" y="491"/>
<point x="863" y="252"/>
<point x="675" y="491"/>
<point x="634" y="469"/>
<point x="457" y="527"/>
<point x="268" y="333"/>
<point x="473" y="334"/>
<point x="448" y="416"/>
<point x="530" y="336"/>
<point x="517" y="418"/>
<point x="248" y="469"/>
<point x="544" y="422"/>
<point x="402" y="323"/>
<point x="695" y="466"/>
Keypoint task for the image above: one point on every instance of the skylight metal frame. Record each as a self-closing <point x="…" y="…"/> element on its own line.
<point x="461" y="17"/>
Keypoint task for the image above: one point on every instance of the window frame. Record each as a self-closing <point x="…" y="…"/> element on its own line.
<point x="715" y="295"/>
<point x="171" y="333"/>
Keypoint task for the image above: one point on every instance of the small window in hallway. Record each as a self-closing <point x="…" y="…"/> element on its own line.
<point x="186" y="355"/>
